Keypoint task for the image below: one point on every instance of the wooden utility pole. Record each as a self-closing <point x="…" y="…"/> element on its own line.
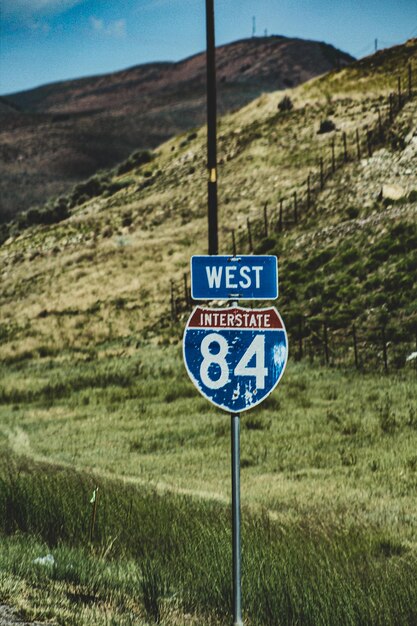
<point x="213" y="243"/>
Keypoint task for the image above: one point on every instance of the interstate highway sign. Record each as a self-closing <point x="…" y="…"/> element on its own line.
<point x="234" y="278"/>
<point x="235" y="356"/>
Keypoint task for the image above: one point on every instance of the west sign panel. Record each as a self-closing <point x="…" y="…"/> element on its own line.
<point x="234" y="278"/>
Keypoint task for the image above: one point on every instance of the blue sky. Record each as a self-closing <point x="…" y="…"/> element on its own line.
<point x="44" y="41"/>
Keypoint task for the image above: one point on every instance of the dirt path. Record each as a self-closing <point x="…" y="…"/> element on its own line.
<point x="20" y="444"/>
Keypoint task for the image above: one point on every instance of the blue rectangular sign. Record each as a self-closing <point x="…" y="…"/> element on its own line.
<point x="234" y="278"/>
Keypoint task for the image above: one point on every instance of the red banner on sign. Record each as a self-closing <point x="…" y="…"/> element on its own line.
<point x="235" y="317"/>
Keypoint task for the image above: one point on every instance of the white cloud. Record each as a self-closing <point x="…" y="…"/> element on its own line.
<point x="40" y="27"/>
<point x="97" y="24"/>
<point x="34" y="7"/>
<point x="116" y="28"/>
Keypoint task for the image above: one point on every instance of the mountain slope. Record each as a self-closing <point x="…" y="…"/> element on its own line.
<point x="84" y="270"/>
<point x="66" y="131"/>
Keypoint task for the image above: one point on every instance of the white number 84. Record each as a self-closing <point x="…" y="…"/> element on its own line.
<point x="256" y="348"/>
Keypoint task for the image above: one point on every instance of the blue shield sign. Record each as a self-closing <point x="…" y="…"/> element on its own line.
<point x="235" y="356"/>
<point x="234" y="278"/>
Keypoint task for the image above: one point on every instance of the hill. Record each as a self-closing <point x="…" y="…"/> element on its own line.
<point x="64" y="132"/>
<point x="94" y="295"/>
<point x="150" y="212"/>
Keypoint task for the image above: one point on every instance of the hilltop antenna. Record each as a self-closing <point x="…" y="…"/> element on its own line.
<point x="253" y="26"/>
<point x="376" y="45"/>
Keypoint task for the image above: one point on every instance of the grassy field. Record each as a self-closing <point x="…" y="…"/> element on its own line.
<point x="327" y="439"/>
<point x="166" y="558"/>
<point x="329" y="473"/>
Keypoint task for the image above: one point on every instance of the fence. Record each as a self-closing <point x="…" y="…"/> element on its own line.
<point x="384" y="347"/>
<point x="289" y="211"/>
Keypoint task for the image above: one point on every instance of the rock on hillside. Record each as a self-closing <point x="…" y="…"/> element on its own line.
<point x="66" y="131"/>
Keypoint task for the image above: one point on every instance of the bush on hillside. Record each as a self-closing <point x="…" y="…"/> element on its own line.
<point x="136" y="159"/>
<point x="50" y="214"/>
<point x="82" y="192"/>
<point x="285" y="104"/>
<point x="326" y="126"/>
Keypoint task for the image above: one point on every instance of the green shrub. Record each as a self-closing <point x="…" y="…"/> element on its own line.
<point x="326" y="126"/>
<point x="136" y="159"/>
<point x="285" y="104"/>
<point x="352" y="213"/>
<point x="267" y="244"/>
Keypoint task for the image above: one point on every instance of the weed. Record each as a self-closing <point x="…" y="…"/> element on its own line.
<point x="255" y="422"/>
<point x="386" y="416"/>
<point x="351" y="427"/>
<point x="153" y="590"/>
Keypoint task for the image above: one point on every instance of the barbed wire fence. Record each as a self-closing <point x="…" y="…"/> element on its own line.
<point x="385" y="347"/>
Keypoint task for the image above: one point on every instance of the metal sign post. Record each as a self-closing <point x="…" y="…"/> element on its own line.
<point x="237" y="576"/>
<point x="235" y="356"/>
<point x="236" y="534"/>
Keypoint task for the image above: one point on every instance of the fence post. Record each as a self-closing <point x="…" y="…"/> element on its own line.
<point x="379" y="124"/>
<point x="321" y="173"/>
<point x="355" y="346"/>
<point x="326" y="342"/>
<point x="358" y="145"/>
<point x="410" y="91"/>
<point x="391" y="108"/>
<point x="300" y="338"/>
<point x="250" y="237"/>
<point x="295" y="207"/>
<point x="345" y="153"/>
<point x="384" y="349"/>
<point x="333" y="157"/>
<point x="280" y="215"/>
<point x="368" y="142"/>
<point x="173" y="307"/>
<point x="233" y="243"/>
<point x="186" y="292"/>
<point x="266" y="219"/>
